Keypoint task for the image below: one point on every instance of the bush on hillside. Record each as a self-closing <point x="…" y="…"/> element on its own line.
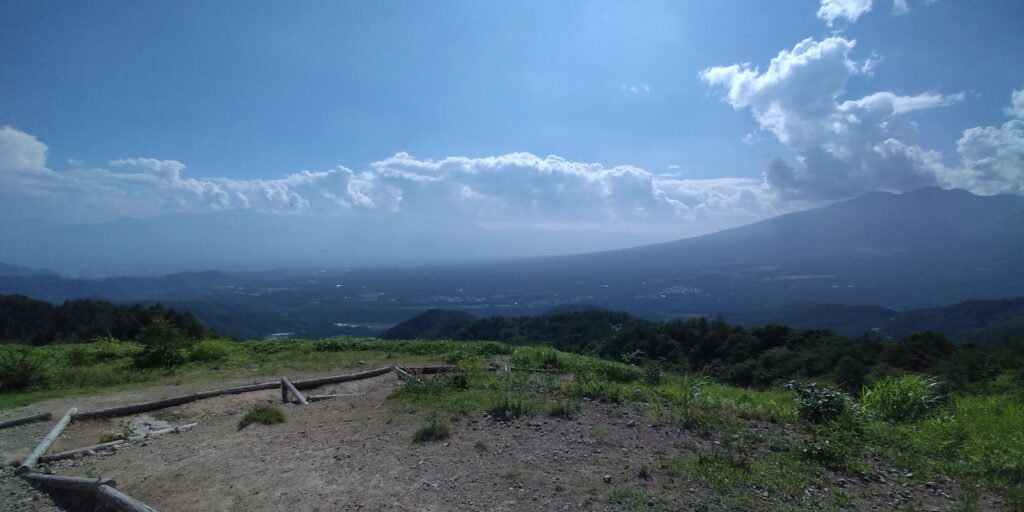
<point x="20" y="368"/>
<point x="820" y="404"/>
<point x="209" y="351"/>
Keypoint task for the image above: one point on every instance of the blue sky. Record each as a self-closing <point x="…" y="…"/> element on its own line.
<point x="111" y="92"/>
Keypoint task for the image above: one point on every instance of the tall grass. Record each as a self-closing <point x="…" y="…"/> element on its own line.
<point x="904" y="398"/>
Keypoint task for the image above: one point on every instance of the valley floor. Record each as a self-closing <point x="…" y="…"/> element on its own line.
<point x="356" y="453"/>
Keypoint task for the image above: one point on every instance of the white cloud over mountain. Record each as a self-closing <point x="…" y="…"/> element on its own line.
<point x="849" y="146"/>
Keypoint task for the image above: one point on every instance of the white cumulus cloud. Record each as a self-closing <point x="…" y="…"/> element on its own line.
<point x="831" y="10"/>
<point x="843" y="146"/>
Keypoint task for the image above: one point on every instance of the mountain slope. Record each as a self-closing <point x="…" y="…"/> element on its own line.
<point x="924" y="249"/>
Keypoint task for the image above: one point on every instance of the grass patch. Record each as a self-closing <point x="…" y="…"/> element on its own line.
<point x="509" y="407"/>
<point x="435" y="431"/>
<point x="733" y="475"/>
<point x="262" y="414"/>
<point x="905" y="398"/>
<point x="564" y="409"/>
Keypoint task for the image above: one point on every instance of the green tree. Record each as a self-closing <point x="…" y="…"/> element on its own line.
<point x="163" y="345"/>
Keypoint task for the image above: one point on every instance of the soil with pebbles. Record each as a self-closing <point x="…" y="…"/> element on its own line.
<point x="356" y="453"/>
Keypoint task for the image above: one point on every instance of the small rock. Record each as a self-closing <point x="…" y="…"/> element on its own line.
<point x="607" y="479"/>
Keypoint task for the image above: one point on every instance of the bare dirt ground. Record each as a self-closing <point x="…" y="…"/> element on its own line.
<point x="355" y="453"/>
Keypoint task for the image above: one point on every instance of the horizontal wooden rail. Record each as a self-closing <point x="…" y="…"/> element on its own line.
<point x="27" y="419"/>
<point x="125" y="410"/>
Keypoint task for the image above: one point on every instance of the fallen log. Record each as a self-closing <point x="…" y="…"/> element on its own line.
<point x="71" y="454"/>
<point x="404" y="375"/>
<point x="89" y="450"/>
<point x="120" y="500"/>
<point x="317" y="398"/>
<point x="44" y="445"/>
<point x="27" y="419"/>
<point x="288" y="387"/>
<point x="67" y="482"/>
<point x="125" y="410"/>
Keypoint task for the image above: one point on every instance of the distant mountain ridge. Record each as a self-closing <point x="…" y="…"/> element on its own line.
<point x="917" y="250"/>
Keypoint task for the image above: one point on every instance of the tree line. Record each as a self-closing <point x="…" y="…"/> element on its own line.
<point x="755" y="357"/>
<point x="35" y="322"/>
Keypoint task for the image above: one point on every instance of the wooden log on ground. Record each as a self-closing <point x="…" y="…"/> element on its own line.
<point x="78" y="452"/>
<point x="120" y="500"/>
<point x="44" y="445"/>
<point x="323" y="381"/>
<point x="125" y="410"/>
<point x="317" y="398"/>
<point x="27" y="419"/>
<point x="89" y="450"/>
<point x="67" y="482"/>
<point x="287" y="384"/>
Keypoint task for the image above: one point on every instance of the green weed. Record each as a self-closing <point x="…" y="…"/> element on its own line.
<point x="262" y="414"/>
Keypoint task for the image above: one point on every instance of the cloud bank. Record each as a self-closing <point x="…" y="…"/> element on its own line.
<point x="517" y="190"/>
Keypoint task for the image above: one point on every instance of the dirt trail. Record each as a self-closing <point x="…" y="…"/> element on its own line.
<point x="355" y="453"/>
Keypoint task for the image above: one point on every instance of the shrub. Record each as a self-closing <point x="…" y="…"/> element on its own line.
<point x="820" y="404"/>
<point x="211" y="350"/>
<point x="652" y="375"/>
<point x="20" y="368"/>
<point x="509" y="407"/>
<point x="263" y="414"/>
<point x="162" y="345"/>
<point x="435" y="431"/>
<point x="567" y="410"/>
<point x="897" y="399"/>
<point x="829" y="450"/>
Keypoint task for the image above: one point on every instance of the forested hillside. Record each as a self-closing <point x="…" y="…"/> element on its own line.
<point x="31" y="321"/>
<point x="758" y="357"/>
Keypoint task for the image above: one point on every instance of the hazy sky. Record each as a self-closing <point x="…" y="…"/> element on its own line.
<point x="654" y="119"/>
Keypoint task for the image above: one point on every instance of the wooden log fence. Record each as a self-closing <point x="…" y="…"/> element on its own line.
<point x="125" y="410"/>
<point x="288" y="388"/>
<point x="317" y="398"/>
<point x="90" y="450"/>
<point x="323" y="381"/>
<point x="103" y="489"/>
<point x="23" y="421"/>
<point x="44" y="445"/>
